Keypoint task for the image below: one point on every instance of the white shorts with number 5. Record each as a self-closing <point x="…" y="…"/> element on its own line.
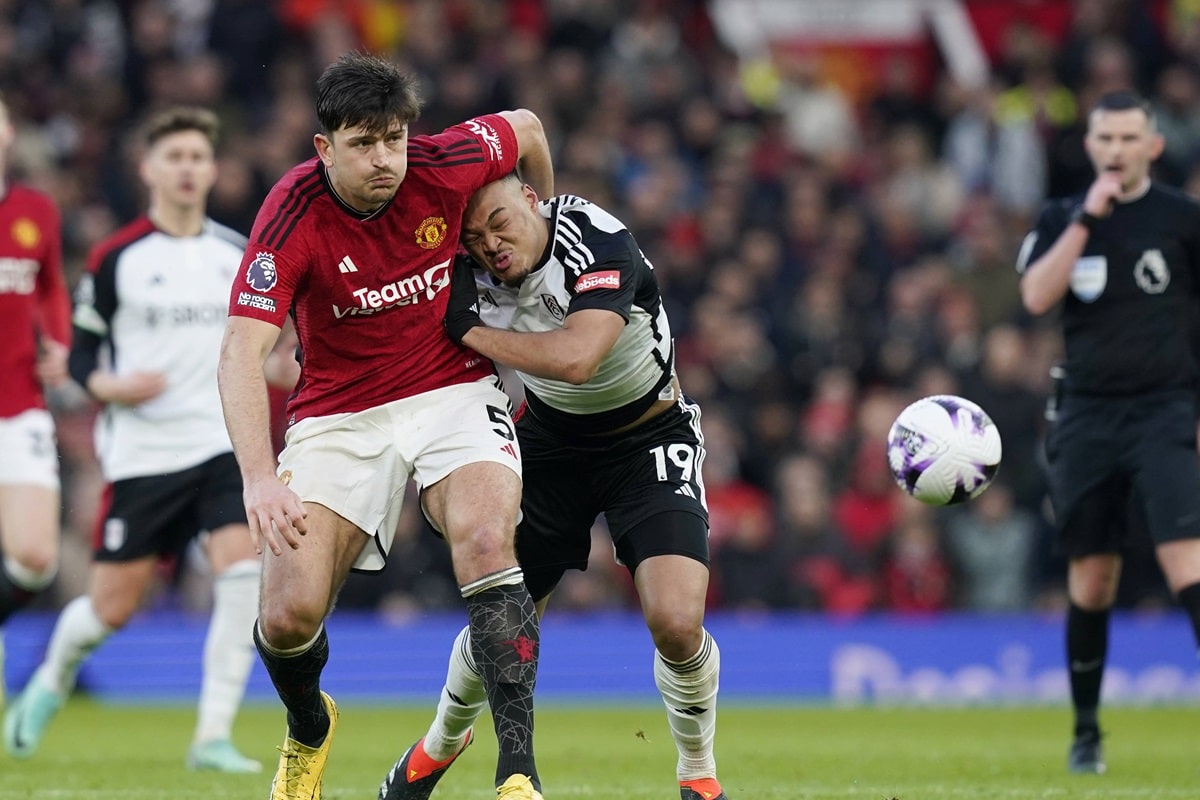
<point x="358" y="465"/>
<point x="30" y="452"/>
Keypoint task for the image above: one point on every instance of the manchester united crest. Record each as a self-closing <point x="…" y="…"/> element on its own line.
<point x="25" y="232"/>
<point x="431" y="232"/>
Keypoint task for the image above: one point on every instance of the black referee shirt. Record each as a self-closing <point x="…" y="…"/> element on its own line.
<point x="1128" y="315"/>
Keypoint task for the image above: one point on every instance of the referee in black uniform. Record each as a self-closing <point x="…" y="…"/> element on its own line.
<point x="1124" y="260"/>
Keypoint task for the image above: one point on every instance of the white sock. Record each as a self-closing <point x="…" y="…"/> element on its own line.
<point x="77" y="633"/>
<point x="26" y="578"/>
<point x="228" y="650"/>
<point x="462" y="701"/>
<point x="692" y="685"/>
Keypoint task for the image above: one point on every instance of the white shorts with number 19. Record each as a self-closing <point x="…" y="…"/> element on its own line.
<point x="358" y="465"/>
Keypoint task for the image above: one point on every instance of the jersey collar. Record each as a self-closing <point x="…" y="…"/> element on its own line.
<point x="549" y="211"/>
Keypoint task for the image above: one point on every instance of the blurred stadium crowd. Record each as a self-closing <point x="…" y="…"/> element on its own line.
<point x="834" y="238"/>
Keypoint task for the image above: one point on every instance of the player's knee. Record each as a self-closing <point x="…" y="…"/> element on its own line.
<point x="483" y="549"/>
<point x="37" y="562"/>
<point x="288" y="625"/>
<point x="676" y="633"/>
<point x="114" y="610"/>
<point x="1093" y="595"/>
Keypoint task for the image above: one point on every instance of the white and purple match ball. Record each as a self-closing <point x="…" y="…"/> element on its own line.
<point x="943" y="450"/>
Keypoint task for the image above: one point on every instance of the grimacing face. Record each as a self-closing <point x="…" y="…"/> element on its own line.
<point x="365" y="169"/>
<point x="1124" y="142"/>
<point x="503" y="231"/>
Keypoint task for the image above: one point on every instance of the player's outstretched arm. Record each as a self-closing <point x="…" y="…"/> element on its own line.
<point x="273" y="511"/>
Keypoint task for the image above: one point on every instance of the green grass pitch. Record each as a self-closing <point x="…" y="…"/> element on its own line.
<point x="788" y="752"/>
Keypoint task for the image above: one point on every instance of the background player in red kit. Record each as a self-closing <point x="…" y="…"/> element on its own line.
<point x="358" y="244"/>
<point x="35" y="328"/>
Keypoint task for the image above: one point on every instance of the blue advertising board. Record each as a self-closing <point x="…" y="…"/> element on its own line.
<point x="943" y="659"/>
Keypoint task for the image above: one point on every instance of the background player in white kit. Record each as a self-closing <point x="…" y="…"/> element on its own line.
<point x="35" y="327"/>
<point x="572" y="304"/>
<point x="149" y="318"/>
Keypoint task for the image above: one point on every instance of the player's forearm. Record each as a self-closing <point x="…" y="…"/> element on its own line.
<point x="53" y="297"/>
<point x="555" y="355"/>
<point x="1045" y="281"/>
<point x="246" y="408"/>
<point x="55" y="314"/>
<point x="534" y="163"/>
<point x="281" y="370"/>
<point x="536" y="170"/>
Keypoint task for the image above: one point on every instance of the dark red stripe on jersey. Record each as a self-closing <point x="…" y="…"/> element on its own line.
<point x="419" y="155"/>
<point x="291" y="209"/>
<point x="308" y="201"/>
<point x="412" y="162"/>
<point x="462" y="144"/>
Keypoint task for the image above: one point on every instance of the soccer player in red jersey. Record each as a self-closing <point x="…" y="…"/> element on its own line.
<point x="357" y="246"/>
<point x="35" y="329"/>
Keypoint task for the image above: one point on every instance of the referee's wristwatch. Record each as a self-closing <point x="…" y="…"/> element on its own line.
<point x="1087" y="220"/>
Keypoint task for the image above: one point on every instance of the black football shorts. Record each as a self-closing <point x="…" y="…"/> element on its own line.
<point x="1105" y="452"/>
<point x="157" y="515"/>
<point x="646" y="482"/>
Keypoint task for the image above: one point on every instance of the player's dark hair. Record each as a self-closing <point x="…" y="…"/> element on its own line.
<point x="182" y="118"/>
<point x="362" y="90"/>
<point x="1124" y="100"/>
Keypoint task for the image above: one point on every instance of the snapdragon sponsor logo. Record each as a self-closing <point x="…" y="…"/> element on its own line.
<point x="868" y="673"/>
<point x="18" y="275"/>
<point x="405" y="292"/>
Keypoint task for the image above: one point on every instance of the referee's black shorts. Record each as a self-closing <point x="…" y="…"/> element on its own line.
<point x="1103" y="451"/>
<point x="646" y="482"/>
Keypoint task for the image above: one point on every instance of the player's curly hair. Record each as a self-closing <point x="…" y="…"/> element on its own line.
<point x="364" y="90"/>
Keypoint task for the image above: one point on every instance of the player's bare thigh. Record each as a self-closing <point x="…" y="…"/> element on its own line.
<point x="476" y="507"/>
<point x="29" y="526"/>
<point x="299" y="586"/>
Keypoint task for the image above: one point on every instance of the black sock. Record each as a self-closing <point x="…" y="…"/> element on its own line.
<point x="1087" y="649"/>
<point x="297" y="679"/>
<point x="1189" y="598"/>
<point x="504" y="644"/>
<point x="12" y="597"/>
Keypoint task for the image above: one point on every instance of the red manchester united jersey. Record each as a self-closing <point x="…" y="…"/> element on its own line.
<point x="33" y="294"/>
<point x="368" y="293"/>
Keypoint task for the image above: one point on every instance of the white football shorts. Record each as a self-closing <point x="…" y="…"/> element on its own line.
<point x="359" y="464"/>
<point x="30" y="450"/>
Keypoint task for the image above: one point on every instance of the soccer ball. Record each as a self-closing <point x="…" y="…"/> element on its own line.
<point x="943" y="450"/>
